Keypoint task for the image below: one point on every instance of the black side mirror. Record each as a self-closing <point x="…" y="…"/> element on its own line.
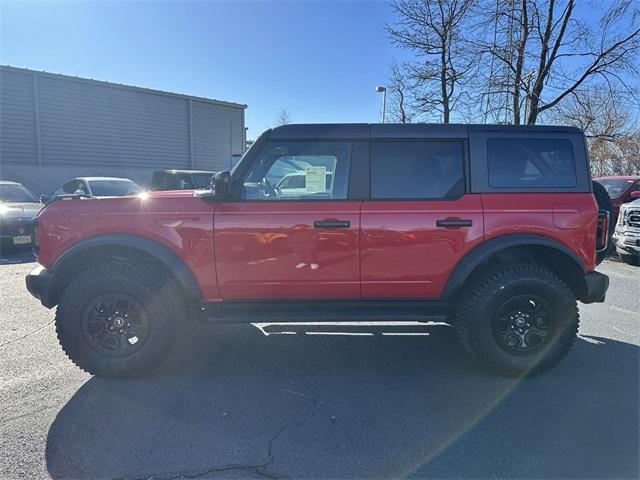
<point x="44" y="199"/>
<point x="221" y="184"/>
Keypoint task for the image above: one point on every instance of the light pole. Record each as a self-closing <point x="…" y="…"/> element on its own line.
<point x="383" y="90"/>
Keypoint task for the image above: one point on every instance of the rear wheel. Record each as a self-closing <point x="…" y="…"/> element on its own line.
<point x="517" y="319"/>
<point x="119" y="319"/>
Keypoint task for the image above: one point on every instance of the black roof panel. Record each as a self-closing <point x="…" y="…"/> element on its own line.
<point x="301" y="131"/>
<point x="365" y="131"/>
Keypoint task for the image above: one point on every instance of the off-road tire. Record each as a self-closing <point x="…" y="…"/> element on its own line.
<point x="630" y="259"/>
<point x="475" y="312"/>
<point x="158" y="296"/>
<point x="604" y="203"/>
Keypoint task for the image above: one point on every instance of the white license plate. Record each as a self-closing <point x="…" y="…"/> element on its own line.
<point x="21" y="239"/>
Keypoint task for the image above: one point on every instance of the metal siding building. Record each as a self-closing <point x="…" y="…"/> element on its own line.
<point x="55" y="127"/>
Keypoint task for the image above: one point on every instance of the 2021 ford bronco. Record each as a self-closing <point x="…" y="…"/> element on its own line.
<point x="496" y="228"/>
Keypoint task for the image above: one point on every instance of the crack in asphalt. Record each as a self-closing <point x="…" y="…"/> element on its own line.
<point x="27" y="334"/>
<point x="261" y="469"/>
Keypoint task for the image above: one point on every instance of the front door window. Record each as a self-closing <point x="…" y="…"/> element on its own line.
<point x="299" y="171"/>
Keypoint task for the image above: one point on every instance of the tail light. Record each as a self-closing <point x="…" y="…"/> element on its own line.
<point x="602" y="239"/>
<point x="35" y="241"/>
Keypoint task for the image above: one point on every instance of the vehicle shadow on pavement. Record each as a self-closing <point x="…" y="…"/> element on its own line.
<point x="232" y="402"/>
<point x="16" y="256"/>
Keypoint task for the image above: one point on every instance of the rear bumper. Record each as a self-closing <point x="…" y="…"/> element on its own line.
<point x="597" y="285"/>
<point x="40" y="283"/>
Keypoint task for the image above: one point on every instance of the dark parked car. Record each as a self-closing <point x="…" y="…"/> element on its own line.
<point x="180" y="179"/>
<point x="18" y="207"/>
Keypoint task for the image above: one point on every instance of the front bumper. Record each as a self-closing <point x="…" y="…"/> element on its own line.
<point x="40" y="285"/>
<point x="627" y="242"/>
<point x="16" y="228"/>
<point x="11" y="227"/>
<point x="597" y="285"/>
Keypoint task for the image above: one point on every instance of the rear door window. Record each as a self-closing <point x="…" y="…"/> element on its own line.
<point x="417" y="169"/>
<point x="531" y="163"/>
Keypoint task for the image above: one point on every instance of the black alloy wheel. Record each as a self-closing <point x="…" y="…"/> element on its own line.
<point x="522" y="324"/>
<point x="115" y="324"/>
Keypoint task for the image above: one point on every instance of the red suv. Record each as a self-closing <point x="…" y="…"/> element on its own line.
<point x="494" y="228"/>
<point x="621" y="189"/>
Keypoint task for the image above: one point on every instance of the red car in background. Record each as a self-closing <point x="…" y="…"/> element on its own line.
<point x="621" y="189"/>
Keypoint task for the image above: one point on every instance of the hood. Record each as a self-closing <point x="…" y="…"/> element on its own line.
<point x="19" y="209"/>
<point x="634" y="204"/>
<point x="149" y="202"/>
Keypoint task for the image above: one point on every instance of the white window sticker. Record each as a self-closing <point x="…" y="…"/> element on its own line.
<point x="315" y="179"/>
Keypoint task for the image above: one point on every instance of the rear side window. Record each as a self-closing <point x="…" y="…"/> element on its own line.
<point x="417" y="169"/>
<point x="531" y="163"/>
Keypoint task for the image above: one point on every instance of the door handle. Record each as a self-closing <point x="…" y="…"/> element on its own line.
<point x="331" y="224"/>
<point x="454" y="222"/>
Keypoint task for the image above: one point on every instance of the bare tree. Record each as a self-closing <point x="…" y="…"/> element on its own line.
<point x="561" y="52"/>
<point x="433" y="30"/>
<point x="399" y="102"/>
<point x="630" y="147"/>
<point x="605" y="118"/>
<point x="283" y="117"/>
<point x="506" y="30"/>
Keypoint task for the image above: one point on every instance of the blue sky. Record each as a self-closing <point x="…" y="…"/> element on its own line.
<point x="319" y="60"/>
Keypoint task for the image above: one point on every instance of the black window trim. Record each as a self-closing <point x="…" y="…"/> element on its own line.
<point x="465" y="167"/>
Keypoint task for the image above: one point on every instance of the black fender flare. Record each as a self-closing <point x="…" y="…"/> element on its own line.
<point x="485" y="250"/>
<point x="158" y="251"/>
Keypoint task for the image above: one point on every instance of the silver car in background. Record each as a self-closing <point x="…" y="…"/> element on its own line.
<point x="627" y="233"/>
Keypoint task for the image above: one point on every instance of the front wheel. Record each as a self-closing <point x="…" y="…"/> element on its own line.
<point x="517" y="320"/>
<point x="119" y="319"/>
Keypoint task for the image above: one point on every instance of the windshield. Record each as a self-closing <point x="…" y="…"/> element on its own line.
<point x="16" y="193"/>
<point x="113" y="188"/>
<point x="615" y="186"/>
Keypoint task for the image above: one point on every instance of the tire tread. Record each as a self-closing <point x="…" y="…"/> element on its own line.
<point x="486" y="284"/>
<point x="153" y="279"/>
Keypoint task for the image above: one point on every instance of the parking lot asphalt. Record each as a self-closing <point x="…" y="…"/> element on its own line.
<point x="320" y="401"/>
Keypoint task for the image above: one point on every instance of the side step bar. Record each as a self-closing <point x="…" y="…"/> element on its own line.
<point x="268" y="311"/>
